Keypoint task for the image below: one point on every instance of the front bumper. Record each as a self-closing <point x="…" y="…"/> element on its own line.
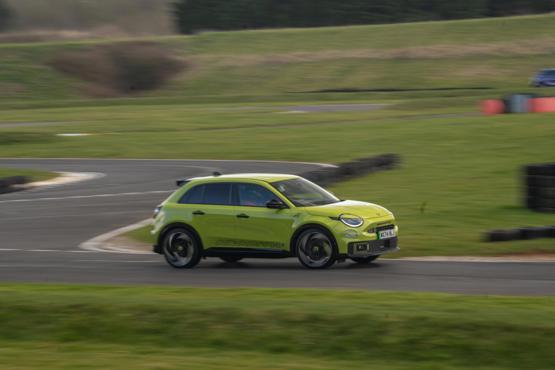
<point x="372" y="247"/>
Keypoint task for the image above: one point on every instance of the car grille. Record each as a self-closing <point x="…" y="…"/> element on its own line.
<point x="372" y="248"/>
<point x="385" y="227"/>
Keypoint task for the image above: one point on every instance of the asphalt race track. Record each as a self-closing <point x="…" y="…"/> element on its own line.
<point x="41" y="229"/>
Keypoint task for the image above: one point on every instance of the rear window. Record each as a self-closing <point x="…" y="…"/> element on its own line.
<point x="217" y="194"/>
<point x="193" y="196"/>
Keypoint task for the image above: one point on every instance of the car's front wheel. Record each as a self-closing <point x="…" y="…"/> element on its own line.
<point x="364" y="260"/>
<point x="316" y="249"/>
<point x="181" y="248"/>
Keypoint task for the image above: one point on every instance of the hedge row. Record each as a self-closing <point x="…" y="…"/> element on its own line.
<point x="523" y="233"/>
<point x="9" y="184"/>
<point x="198" y="15"/>
<point x="358" y="167"/>
<point x="540" y="187"/>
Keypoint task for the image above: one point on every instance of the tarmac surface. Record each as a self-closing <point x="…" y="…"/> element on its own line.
<point x="41" y="229"/>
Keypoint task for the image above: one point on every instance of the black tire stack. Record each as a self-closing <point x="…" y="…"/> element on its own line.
<point x="522" y="233"/>
<point x="540" y="187"/>
<point x="358" y="167"/>
<point x="9" y="184"/>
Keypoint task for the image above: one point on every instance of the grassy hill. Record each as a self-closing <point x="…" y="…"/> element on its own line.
<point x="460" y="175"/>
<point x="482" y="55"/>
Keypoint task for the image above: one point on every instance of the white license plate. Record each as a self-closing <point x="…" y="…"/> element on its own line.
<point x="386" y="234"/>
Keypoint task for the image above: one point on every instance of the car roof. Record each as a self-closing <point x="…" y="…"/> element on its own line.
<point x="267" y="177"/>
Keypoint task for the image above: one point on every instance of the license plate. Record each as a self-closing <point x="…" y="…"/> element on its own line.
<point x="386" y="234"/>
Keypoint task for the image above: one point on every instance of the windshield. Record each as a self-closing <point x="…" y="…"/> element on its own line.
<point x="303" y="193"/>
<point x="548" y="73"/>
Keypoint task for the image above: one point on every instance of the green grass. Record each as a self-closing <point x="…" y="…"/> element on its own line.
<point x="34" y="175"/>
<point x="460" y="168"/>
<point x="59" y="327"/>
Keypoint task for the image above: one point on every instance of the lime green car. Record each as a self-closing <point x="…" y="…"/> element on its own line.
<point x="268" y="216"/>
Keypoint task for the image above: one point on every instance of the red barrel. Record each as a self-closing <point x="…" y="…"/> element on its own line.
<point x="542" y="105"/>
<point x="493" y="106"/>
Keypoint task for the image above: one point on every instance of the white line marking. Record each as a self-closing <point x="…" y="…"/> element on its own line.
<point x="87" y="196"/>
<point x="42" y="250"/>
<point x="174" y="160"/>
<point x="116" y="261"/>
<point x="101" y="243"/>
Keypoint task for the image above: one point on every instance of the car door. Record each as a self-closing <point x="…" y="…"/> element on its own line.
<point x="258" y="226"/>
<point x="212" y="213"/>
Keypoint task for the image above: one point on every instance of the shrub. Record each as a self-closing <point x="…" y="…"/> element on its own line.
<point x="197" y="15"/>
<point x="123" y="68"/>
<point x="5" y="16"/>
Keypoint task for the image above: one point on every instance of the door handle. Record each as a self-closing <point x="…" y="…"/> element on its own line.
<point x="242" y="215"/>
<point x="198" y="213"/>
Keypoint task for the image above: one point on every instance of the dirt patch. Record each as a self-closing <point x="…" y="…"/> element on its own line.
<point x="122" y="68"/>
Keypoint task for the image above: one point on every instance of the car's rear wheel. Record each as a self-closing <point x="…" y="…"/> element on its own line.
<point x="316" y="249"/>
<point x="231" y="259"/>
<point x="364" y="260"/>
<point x="181" y="248"/>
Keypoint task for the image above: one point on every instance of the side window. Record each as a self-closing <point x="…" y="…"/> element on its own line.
<point x="193" y="196"/>
<point x="217" y="193"/>
<point x="252" y="195"/>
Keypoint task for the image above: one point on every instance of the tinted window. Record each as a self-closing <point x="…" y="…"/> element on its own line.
<point x="218" y="193"/>
<point x="193" y="196"/>
<point x="304" y="193"/>
<point x="252" y="195"/>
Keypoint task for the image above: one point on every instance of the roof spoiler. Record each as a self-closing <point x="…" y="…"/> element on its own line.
<point x="182" y="182"/>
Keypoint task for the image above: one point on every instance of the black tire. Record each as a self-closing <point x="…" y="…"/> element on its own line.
<point x="527" y="233"/>
<point x="541" y="181"/>
<point x="181" y="248"/>
<point x="547" y="169"/>
<point x="316" y="248"/>
<point x="503" y="235"/>
<point x="541" y="192"/>
<point x="231" y="259"/>
<point x="364" y="260"/>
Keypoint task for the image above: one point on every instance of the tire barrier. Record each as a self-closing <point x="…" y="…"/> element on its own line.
<point x="356" y="168"/>
<point x="518" y="103"/>
<point x="10" y="184"/>
<point x="539" y="181"/>
<point x="523" y="233"/>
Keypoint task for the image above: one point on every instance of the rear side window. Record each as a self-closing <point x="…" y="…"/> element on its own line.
<point x="193" y="196"/>
<point x="217" y="194"/>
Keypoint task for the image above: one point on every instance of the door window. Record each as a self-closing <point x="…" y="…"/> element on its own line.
<point x="252" y="195"/>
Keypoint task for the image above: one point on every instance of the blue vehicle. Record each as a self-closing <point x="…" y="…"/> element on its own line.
<point x="545" y="78"/>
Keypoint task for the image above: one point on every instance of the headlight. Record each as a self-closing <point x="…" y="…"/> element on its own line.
<point x="156" y="211"/>
<point x="351" y="220"/>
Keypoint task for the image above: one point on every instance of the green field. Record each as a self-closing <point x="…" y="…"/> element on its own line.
<point x="69" y="327"/>
<point x="461" y="171"/>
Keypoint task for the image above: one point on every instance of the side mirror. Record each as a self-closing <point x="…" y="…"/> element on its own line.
<point x="276" y="204"/>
